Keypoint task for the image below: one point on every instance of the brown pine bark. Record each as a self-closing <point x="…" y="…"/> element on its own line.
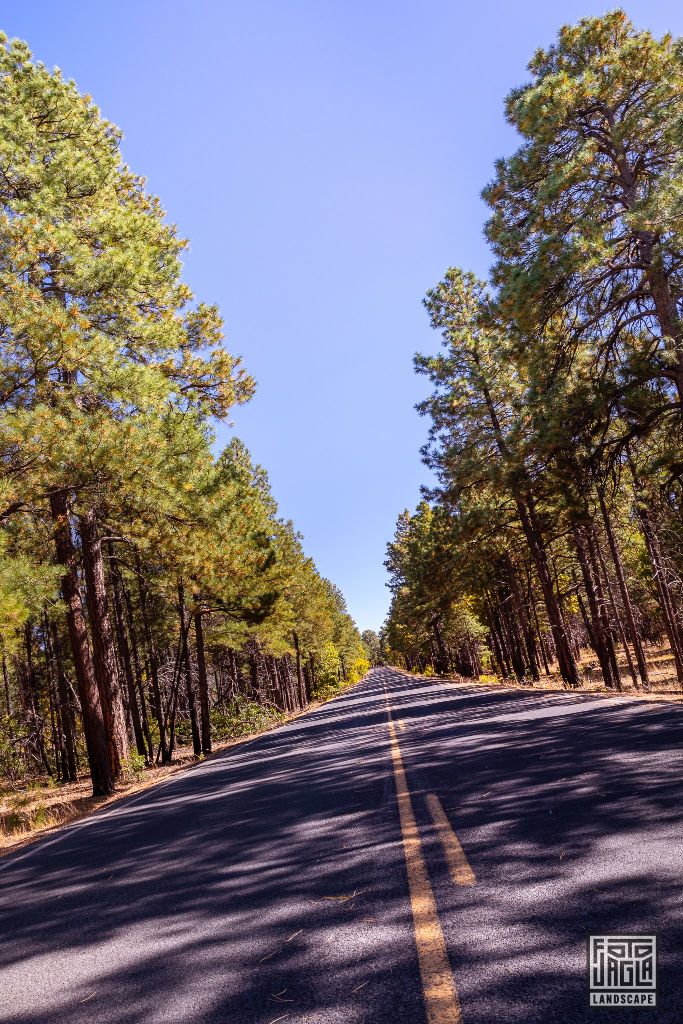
<point x="618" y="619"/>
<point x="666" y="310"/>
<point x="666" y="601"/>
<point x="151" y="659"/>
<point x="593" y="553"/>
<point x="33" y="700"/>
<point x="654" y="550"/>
<point x="498" y="638"/>
<point x="94" y="728"/>
<point x="303" y="696"/>
<point x="66" y="720"/>
<point x="187" y="665"/>
<point x="105" y="660"/>
<point x="523" y="618"/>
<point x="526" y="509"/>
<point x="126" y="659"/>
<point x="8" y="700"/>
<point x="202" y="683"/>
<point x="137" y="667"/>
<point x="441" y="659"/>
<point x="599" y="638"/>
<point x="624" y="592"/>
<point x="539" y="634"/>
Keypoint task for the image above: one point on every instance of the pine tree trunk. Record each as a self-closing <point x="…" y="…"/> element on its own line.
<point x="441" y="652"/>
<point x="666" y="310"/>
<point x="522" y="616"/>
<point x="496" y="625"/>
<point x="496" y="649"/>
<point x="596" y="621"/>
<point x="94" y="728"/>
<point x="584" y="614"/>
<point x="623" y="591"/>
<point x="303" y="696"/>
<point x="34" y="700"/>
<point x="8" y="701"/>
<point x="539" y="634"/>
<point x="104" y="652"/>
<point x="63" y="721"/>
<point x="187" y="664"/>
<point x="125" y="658"/>
<point x="152" y="662"/>
<point x="236" y="682"/>
<point x="67" y="715"/>
<point x="137" y="668"/>
<point x="253" y="677"/>
<point x="666" y="602"/>
<point x="55" y="729"/>
<point x="593" y="547"/>
<point x="202" y="684"/>
<point x="527" y="514"/>
<point x="617" y="619"/>
<point x="563" y="649"/>
<point x="654" y="551"/>
<point x="512" y="637"/>
<point x="178" y="671"/>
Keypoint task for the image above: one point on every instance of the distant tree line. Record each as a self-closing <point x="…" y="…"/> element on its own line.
<point x="556" y="442"/>
<point x="149" y="592"/>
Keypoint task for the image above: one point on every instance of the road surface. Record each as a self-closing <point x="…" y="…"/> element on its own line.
<point x="412" y="850"/>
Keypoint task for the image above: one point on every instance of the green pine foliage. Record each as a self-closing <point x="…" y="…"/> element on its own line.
<point x="150" y="593"/>
<point x="551" y="542"/>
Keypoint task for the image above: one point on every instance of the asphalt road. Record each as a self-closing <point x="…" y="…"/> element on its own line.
<point x="272" y="883"/>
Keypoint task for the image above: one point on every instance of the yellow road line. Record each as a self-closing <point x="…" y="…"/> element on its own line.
<point x="401" y="724"/>
<point x="440" y="994"/>
<point x="458" y="865"/>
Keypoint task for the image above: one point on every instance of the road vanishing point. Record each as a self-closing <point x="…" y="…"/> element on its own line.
<point x="414" y="850"/>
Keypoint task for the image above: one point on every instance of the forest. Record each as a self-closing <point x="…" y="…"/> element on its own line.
<point x="550" y="543"/>
<point x="151" y="596"/>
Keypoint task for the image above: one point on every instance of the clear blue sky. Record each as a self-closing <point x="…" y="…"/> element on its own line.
<point x="325" y="158"/>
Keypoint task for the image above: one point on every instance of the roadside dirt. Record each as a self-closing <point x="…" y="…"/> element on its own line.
<point x="29" y="812"/>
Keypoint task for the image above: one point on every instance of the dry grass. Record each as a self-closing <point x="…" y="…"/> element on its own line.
<point x="29" y="811"/>
<point x="663" y="682"/>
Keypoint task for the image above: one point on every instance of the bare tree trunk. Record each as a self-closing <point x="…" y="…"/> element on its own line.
<point x="34" y="700"/>
<point x="126" y="661"/>
<point x="96" y="739"/>
<point x="104" y="651"/>
<point x="539" y="634"/>
<point x="441" y="652"/>
<point x="152" y="661"/>
<point x="526" y="509"/>
<point x="303" y="696"/>
<point x="187" y="663"/>
<point x="593" y="550"/>
<point x="137" y="667"/>
<point x="522" y="616"/>
<point x="59" y="697"/>
<point x="66" y="720"/>
<point x="618" y="620"/>
<point x="202" y="683"/>
<point x="599" y="640"/>
<point x="623" y="590"/>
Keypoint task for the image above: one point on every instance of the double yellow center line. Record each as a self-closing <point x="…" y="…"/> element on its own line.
<point x="440" y="994"/>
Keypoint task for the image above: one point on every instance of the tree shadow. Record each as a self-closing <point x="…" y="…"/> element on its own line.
<point x="269" y="882"/>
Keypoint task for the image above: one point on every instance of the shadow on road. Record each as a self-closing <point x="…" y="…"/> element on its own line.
<point x="270" y="881"/>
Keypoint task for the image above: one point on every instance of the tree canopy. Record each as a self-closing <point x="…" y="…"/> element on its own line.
<point x="553" y="532"/>
<point x="150" y="593"/>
